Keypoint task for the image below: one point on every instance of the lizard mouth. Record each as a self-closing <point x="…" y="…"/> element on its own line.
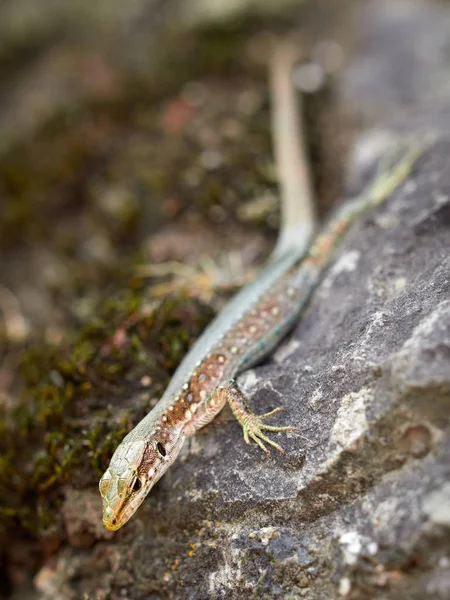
<point x="119" y="510"/>
<point x="111" y="523"/>
<point x="115" y="519"/>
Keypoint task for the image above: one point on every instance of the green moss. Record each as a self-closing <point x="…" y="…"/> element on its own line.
<point x="80" y="399"/>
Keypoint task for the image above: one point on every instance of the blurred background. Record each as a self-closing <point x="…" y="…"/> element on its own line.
<point x="137" y="192"/>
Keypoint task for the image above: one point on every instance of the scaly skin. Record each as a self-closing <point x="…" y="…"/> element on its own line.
<point x="252" y="325"/>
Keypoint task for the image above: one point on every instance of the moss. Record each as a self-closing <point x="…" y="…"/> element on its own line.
<point x="80" y="399"/>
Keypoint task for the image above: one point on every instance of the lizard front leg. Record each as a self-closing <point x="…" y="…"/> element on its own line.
<point x="252" y="425"/>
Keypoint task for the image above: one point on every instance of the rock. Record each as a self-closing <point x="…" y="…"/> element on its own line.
<point x="80" y="512"/>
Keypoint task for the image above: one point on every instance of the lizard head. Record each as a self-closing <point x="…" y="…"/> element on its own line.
<point x="134" y="469"/>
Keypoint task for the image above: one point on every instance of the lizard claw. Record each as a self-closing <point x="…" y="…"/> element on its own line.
<point x="253" y="430"/>
<point x="252" y="425"/>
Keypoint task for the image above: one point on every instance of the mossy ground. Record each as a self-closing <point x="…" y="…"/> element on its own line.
<point x="79" y="399"/>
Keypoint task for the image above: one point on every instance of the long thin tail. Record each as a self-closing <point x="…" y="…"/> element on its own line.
<point x="297" y="203"/>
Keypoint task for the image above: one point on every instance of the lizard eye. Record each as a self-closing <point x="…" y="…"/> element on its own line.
<point x="161" y="449"/>
<point x="136" y="486"/>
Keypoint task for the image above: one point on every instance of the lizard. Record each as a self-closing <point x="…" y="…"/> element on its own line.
<point x="245" y="332"/>
<point x="252" y="323"/>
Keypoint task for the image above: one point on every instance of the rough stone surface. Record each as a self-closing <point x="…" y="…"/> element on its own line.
<point x="402" y="60"/>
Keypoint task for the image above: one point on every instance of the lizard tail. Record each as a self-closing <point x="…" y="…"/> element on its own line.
<point x="297" y="202"/>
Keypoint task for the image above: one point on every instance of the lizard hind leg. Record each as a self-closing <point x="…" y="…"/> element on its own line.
<point x="252" y="425"/>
